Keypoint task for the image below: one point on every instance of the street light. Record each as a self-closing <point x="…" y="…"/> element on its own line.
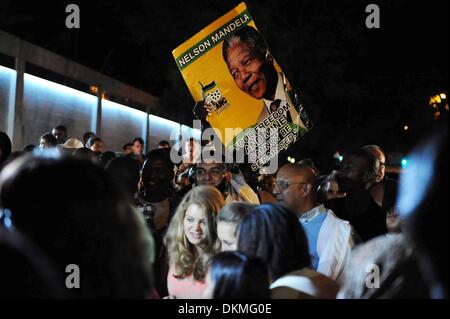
<point x="404" y="163"/>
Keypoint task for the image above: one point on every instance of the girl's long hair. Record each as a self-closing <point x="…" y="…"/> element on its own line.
<point x="181" y="252"/>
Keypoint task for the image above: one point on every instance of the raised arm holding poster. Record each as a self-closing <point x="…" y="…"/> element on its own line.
<point x="229" y="67"/>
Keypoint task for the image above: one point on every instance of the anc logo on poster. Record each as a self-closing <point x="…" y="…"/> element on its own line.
<point x="213" y="97"/>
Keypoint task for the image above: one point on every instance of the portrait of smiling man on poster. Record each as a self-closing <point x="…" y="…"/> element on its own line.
<point x="252" y="67"/>
<point x="238" y="87"/>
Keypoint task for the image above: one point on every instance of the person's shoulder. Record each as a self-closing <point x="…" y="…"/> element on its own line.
<point x="288" y="293"/>
<point x="324" y="287"/>
<point x="336" y="219"/>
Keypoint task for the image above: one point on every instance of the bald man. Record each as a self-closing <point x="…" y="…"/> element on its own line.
<point x="330" y="239"/>
<point x="384" y="190"/>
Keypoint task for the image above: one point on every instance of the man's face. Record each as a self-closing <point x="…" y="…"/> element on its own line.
<point x="247" y="70"/>
<point x="352" y="173"/>
<point x="268" y="184"/>
<point x="212" y="174"/>
<point x="60" y="135"/>
<point x="157" y="175"/>
<point x="382" y="162"/>
<point x="289" y="189"/>
<point x="138" y="148"/>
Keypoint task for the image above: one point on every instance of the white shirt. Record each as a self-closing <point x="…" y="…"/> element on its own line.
<point x="280" y="94"/>
<point x="334" y="243"/>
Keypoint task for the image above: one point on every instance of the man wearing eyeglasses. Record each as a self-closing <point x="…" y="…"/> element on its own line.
<point x="330" y="239"/>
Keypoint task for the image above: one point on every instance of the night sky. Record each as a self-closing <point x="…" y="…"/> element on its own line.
<point x="359" y="85"/>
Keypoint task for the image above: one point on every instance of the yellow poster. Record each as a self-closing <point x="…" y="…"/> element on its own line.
<point x="229" y="67"/>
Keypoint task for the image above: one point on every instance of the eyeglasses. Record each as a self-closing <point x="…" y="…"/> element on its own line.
<point x="283" y="185"/>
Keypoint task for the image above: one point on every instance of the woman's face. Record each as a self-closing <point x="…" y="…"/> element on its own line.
<point x="196" y="225"/>
<point x="226" y="231"/>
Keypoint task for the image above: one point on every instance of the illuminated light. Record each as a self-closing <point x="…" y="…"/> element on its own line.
<point x="406" y="127"/>
<point x="404" y="163"/>
<point x="7" y="84"/>
<point x="289" y="158"/>
<point x="341" y="158"/>
<point x="443" y="96"/>
<point x="437" y="115"/>
<point x="120" y="108"/>
<point x="6" y="216"/>
<point x="49" y="86"/>
<point x="8" y="223"/>
<point x="437" y="99"/>
<point x="434" y="105"/>
<point x="192" y="132"/>
<point x="446" y="107"/>
<point x="431" y="101"/>
<point x="292" y="160"/>
<point x="62" y="98"/>
<point x="105" y="96"/>
<point x="415" y="181"/>
<point x="7" y="71"/>
<point x="167" y="129"/>
<point x="93" y="89"/>
<point x="122" y="123"/>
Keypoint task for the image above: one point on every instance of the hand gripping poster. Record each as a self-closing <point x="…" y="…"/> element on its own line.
<point x="251" y="105"/>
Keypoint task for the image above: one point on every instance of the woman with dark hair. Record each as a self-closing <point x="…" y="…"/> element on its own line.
<point x="234" y="275"/>
<point x="273" y="233"/>
<point x="47" y="140"/>
<point x="76" y="216"/>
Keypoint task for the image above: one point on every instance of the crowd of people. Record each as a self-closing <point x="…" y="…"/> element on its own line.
<point x="141" y="226"/>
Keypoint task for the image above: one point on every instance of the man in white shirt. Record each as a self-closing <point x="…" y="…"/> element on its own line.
<point x="330" y="239"/>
